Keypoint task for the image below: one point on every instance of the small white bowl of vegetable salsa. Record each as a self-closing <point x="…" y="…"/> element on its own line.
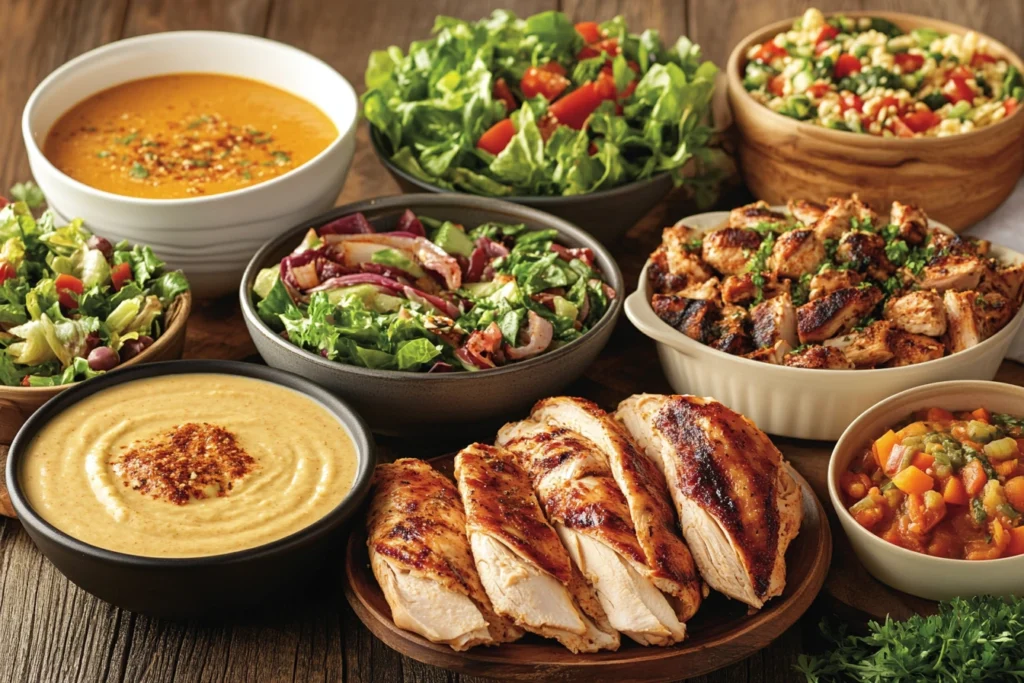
<point x="929" y="487"/>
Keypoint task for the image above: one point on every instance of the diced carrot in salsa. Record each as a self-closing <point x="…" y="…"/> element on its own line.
<point x="913" y="480"/>
<point x="883" y="446"/>
<point x="954" y="493"/>
<point x="974" y="477"/>
<point x="983" y="415"/>
<point x="940" y="415"/>
<point x="922" y="461"/>
<point x="1016" y="544"/>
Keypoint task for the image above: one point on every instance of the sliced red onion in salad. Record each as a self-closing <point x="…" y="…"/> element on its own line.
<point x="431" y="296"/>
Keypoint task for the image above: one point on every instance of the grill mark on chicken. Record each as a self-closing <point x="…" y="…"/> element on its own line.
<point x="692" y="317"/>
<point x="662" y="280"/>
<point x="840" y="310"/>
<point x="704" y="479"/>
<point x="752" y="214"/>
<point x="507" y="510"/>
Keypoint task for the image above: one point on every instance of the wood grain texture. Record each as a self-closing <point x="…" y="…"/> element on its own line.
<point x="52" y="631"/>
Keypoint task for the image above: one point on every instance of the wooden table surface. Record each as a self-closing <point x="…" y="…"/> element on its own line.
<point x="52" y="631"/>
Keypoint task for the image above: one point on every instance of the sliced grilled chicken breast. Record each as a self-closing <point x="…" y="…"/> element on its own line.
<point x="831" y="280"/>
<point x="728" y="249"/>
<point x="818" y="358"/>
<point x="974" y="317"/>
<point x="754" y="214"/>
<point x="523" y="567"/>
<point x="807" y="212"/>
<point x="693" y="317"/>
<point x="646" y="493"/>
<point x="912" y="222"/>
<point x="918" y="312"/>
<point x="420" y="556"/>
<point x="574" y="484"/>
<point x="673" y="265"/>
<point x="738" y="504"/>
<point x="797" y="252"/>
<point x="773" y="321"/>
<point x="952" y="271"/>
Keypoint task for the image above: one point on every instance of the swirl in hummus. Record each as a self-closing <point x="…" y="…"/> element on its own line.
<point x="188" y="465"/>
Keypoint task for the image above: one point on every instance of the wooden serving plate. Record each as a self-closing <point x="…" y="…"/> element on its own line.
<point x="721" y="632"/>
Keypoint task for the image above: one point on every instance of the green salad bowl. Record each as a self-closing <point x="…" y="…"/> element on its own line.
<point x="606" y="214"/>
<point x="453" y="404"/>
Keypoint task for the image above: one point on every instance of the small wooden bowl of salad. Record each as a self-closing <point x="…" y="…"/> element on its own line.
<point x="73" y="305"/>
<point x="889" y="105"/>
<point x="929" y="487"/>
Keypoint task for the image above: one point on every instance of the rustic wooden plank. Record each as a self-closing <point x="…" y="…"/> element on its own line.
<point x="667" y="16"/>
<point x="717" y="25"/>
<point x="238" y="16"/>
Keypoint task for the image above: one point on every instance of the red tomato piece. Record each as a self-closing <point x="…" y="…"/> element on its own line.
<point x="769" y="51"/>
<point x="978" y="59"/>
<point x="920" y="121"/>
<point x="574" y="108"/>
<point x="818" y="90"/>
<point x="907" y="62"/>
<point x="827" y="32"/>
<point x="777" y="85"/>
<point x="1010" y="105"/>
<point x="553" y="67"/>
<point x="542" y="82"/>
<point x="605" y="85"/>
<point x="6" y="271"/>
<point x="850" y="100"/>
<point x="497" y="137"/>
<point x="547" y="126"/>
<point x="957" y="90"/>
<point x="590" y="31"/>
<point x="503" y="93"/>
<point x="609" y="45"/>
<point x="884" y="105"/>
<point x="120" y="274"/>
<point x="4" y="202"/>
<point x="67" y="286"/>
<point x="846" y="64"/>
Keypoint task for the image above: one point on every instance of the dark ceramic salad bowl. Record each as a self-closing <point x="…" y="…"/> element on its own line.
<point x="418" y="404"/>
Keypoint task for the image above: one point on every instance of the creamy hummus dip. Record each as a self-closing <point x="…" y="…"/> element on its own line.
<point x="188" y="466"/>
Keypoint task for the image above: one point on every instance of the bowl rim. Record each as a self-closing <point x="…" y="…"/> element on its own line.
<point x="848" y="441"/>
<point x="533" y="200"/>
<point x="264" y="43"/>
<point x="183" y="303"/>
<point x="643" y="290"/>
<point x="440" y="200"/>
<point x="737" y="59"/>
<point x="339" y="409"/>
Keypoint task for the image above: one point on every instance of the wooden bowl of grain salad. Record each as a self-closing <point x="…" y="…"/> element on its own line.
<point x="888" y="105"/>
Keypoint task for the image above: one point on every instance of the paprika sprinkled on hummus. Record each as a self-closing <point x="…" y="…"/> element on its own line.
<point x="191" y="461"/>
<point x="188" y="465"/>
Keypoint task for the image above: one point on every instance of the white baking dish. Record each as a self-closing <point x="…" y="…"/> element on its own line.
<point x="801" y="402"/>
<point x="933" y="578"/>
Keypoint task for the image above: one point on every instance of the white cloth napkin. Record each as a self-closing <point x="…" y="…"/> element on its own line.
<point x="1005" y="226"/>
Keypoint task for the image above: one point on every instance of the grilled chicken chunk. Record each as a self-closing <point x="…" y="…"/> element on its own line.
<point x="797" y="252"/>
<point x="831" y="280"/>
<point x="740" y="289"/>
<point x="837" y="217"/>
<point x="421" y="558"/>
<point x="836" y="313"/>
<point x="773" y="321"/>
<point x="911" y="349"/>
<point x="578" y="492"/>
<point x="973" y="317"/>
<point x="806" y="212"/>
<point x="754" y="214"/>
<point x="706" y="291"/>
<point x="961" y="245"/>
<point x="692" y="317"/>
<point x="646" y="494"/>
<point x="738" y="505"/>
<point x="727" y="250"/>
<point x="868" y="348"/>
<point x="865" y="252"/>
<point x="523" y="567"/>
<point x="818" y="358"/>
<point x="952" y="271"/>
<point x="731" y="331"/>
<point x="772" y="355"/>
<point x="912" y="222"/>
<point x="673" y="265"/>
<point x="1007" y="281"/>
<point x="917" y="312"/>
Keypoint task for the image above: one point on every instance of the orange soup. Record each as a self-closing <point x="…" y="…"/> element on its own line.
<point x="186" y="135"/>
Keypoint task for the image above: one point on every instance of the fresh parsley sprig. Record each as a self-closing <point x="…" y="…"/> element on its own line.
<point x="968" y="641"/>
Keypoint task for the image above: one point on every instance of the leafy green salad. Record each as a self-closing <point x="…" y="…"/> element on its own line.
<point x="538" y="106"/>
<point x="72" y="305"/>
<point x="431" y="296"/>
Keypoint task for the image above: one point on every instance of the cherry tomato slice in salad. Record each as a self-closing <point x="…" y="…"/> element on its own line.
<point x="846" y="64"/>
<point x="850" y="100"/>
<point x="120" y="274"/>
<point x="7" y="271"/>
<point x="827" y="32"/>
<point x="777" y="86"/>
<point x="908" y="63"/>
<point x="768" y="51"/>
<point x="504" y="94"/>
<point x="67" y="285"/>
<point x="497" y="137"/>
<point x="590" y="31"/>
<point x="574" y="109"/>
<point x="918" y="122"/>
<point x="544" y="82"/>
